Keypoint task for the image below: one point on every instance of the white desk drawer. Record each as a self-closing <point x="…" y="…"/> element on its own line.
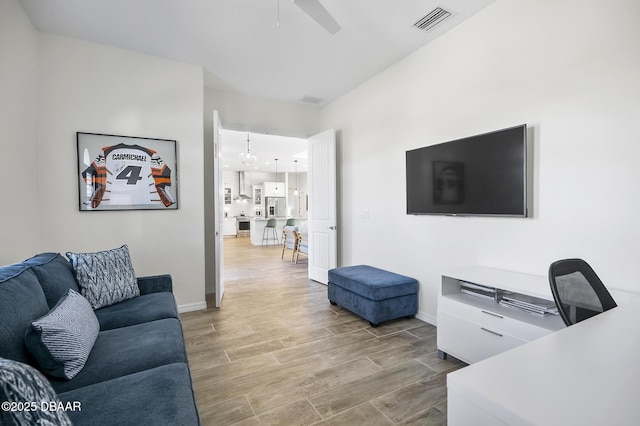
<point x="471" y="341"/>
<point x="491" y="318"/>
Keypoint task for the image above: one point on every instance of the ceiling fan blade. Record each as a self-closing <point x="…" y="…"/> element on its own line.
<point x="318" y="13"/>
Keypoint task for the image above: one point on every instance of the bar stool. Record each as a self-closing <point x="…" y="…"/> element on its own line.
<point x="271" y="224"/>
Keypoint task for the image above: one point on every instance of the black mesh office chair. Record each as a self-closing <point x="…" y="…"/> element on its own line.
<point x="577" y="290"/>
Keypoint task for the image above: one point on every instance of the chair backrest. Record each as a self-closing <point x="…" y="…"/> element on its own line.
<point x="291" y="222"/>
<point x="577" y="290"/>
<point x="290" y="237"/>
<point x="271" y="223"/>
<point x="303" y="243"/>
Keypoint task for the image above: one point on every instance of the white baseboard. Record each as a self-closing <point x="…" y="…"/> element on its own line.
<point x="423" y="316"/>
<point x="198" y="306"/>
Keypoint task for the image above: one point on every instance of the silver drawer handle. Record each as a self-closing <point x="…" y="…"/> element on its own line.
<point x="492" y="314"/>
<point x="491" y="331"/>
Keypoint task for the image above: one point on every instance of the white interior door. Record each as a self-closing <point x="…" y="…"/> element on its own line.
<point x="323" y="249"/>
<point x="218" y="211"/>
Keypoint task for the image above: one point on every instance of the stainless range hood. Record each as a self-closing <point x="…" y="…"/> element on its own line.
<point x="241" y="188"/>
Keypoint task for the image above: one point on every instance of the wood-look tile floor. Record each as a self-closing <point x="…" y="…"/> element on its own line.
<point x="278" y="353"/>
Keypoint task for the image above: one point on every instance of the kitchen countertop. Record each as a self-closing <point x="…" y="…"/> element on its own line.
<point x="258" y="226"/>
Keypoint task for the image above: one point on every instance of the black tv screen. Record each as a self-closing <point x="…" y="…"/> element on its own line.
<point x="479" y="175"/>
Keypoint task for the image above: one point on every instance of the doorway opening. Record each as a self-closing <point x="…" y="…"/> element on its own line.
<point x="321" y="221"/>
<point x="263" y="177"/>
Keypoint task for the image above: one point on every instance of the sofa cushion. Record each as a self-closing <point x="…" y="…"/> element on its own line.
<point x="55" y="275"/>
<point x="373" y="283"/>
<point x="147" y="307"/>
<point x="21" y="301"/>
<point x="128" y="350"/>
<point x="159" y="396"/>
<point x="105" y="277"/>
<point x="20" y="384"/>
<point x="62" y="339"/>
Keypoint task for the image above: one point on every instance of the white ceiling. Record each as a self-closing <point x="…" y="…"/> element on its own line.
<point x="265" y="48"/>
<point x="267" y="148"/>
<point x="242" y="48"/>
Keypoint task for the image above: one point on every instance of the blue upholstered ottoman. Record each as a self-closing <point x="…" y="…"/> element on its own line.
<point x="374" y="294"/>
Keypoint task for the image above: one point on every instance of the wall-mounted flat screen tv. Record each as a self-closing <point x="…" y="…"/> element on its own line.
<point x="483" y="175"/>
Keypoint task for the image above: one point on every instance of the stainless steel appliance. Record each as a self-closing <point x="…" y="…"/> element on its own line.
<point x="243" y="226"/>
<point x="275" y="206"/>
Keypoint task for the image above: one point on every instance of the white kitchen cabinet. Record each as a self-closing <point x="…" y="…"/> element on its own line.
<point x="257" y="195"/>
<point x="229" y="226"/>
<point x="471" y="328"/>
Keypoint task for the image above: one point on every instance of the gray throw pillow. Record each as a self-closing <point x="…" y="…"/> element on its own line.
<point x="61" y="341"/>
<point x="27" y="397"/>
<point x="105" y="277"/>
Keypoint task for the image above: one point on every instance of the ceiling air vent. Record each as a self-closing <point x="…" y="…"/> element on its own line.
<point x="311" y="99"/>
<point x="432" y="19"/>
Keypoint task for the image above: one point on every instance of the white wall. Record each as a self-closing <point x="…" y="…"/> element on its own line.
<point x="258" y="115"/>
<point x="19" y="228"/>
<point x="93" y="88"/>
<point x="569" y="69"/>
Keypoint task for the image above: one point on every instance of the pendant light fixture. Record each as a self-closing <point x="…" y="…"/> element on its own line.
<point x="277" y="191"/>
<point x="296" y="193"/>
<point x="247" y="157"/>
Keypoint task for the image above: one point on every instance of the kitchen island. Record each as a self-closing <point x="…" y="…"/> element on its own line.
<point x="257" y="229"/>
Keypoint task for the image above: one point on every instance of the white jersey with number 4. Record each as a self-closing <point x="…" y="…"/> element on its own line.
<point x="130" y="175"/>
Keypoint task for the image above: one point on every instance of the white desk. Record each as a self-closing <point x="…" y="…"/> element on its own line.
<point x="472" y="329"/>
<point x="586" y="374"/>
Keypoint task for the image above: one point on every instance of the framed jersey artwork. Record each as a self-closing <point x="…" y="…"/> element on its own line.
<point x="126" y="173"/>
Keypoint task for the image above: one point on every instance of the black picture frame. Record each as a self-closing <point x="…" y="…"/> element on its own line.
<point x="118" y="172"/>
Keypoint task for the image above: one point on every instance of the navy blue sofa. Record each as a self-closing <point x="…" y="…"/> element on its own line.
<point x="137" y="371"/>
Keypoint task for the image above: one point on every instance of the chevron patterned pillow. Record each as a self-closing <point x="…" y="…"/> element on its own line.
<point x="62" y="339"/>
<point x="105" y="277"/>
